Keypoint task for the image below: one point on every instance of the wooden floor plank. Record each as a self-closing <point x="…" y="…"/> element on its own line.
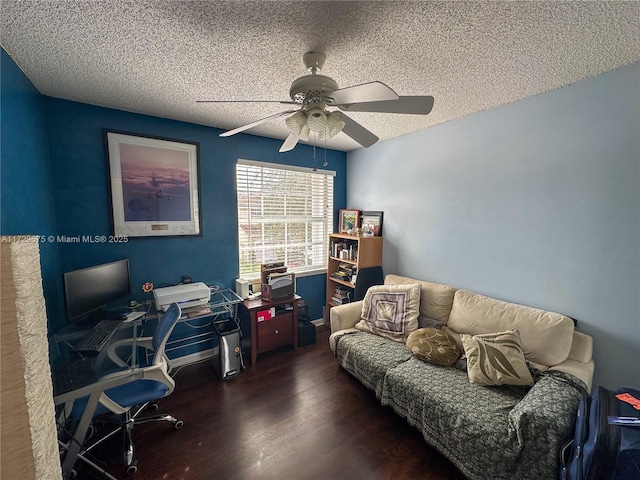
<point x="291" y="416"/>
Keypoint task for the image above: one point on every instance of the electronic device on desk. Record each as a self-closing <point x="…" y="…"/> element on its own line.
<point x="267" y="269"/>
<point x="96" y="338"/>
<point x="89" y="291"/>
<point x="189" y="295"/>
<point x="72" y="375"/>
<point x="279" y="286"/>
<point x="242" y="288"/>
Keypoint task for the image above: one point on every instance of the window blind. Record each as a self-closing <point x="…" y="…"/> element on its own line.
<point x="284" y="214"/>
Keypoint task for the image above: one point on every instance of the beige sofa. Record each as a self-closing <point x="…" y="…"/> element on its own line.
<point x="488" y="432"/>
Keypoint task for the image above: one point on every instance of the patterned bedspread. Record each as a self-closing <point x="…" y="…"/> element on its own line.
<point x="487" y="432"/>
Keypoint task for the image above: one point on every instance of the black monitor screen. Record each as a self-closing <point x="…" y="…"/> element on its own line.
<point x="90" y="289"/>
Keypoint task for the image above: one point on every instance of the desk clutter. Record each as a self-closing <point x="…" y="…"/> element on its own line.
<point x="277" y="283"/>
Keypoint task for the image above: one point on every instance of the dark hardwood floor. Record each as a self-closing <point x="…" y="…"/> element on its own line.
<point x="291" y="416"/>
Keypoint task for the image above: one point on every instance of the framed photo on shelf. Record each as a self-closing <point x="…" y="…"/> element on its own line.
<point x="348" y="219"/>
<point x="372" y="223"/>
<point x="154" y="185"/>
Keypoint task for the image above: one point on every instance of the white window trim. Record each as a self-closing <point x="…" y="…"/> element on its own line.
<point x="314" y="270"/>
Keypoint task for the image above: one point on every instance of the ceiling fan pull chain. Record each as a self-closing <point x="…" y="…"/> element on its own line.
<point x="325" y="152"/>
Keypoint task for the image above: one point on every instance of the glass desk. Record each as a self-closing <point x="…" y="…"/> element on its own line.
<point x="61" y="351"/>
<point x="222" y="305"/>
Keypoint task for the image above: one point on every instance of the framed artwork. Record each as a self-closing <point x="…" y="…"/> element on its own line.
<point x="348" y="219"/>
<point x="372" y="223"/>
<point x="154" y="184"/>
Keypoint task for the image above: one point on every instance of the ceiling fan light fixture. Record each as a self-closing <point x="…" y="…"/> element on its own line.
<point x="305" y="133"/>
<point x="335" y="124"/>
<point x="296" y="122"/>
<point x="316" y="120"/>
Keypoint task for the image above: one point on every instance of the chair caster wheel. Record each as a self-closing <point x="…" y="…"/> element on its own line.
<point x="178" y="425"/>
<point x="153" y="406"/>
<point x="131" y="469"/>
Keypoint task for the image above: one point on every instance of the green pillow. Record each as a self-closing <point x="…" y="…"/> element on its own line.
<point x="496" y="359"/>
<point x="434" y="346"/>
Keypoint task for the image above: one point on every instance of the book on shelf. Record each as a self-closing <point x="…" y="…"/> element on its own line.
<point x="344" y="250"/>
<point x="341" y="276"/>
<point x="341" y="296"/>
<point x="340" y="301"/>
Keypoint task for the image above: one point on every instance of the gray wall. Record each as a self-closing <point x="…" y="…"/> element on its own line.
<point x="536" y="202"/>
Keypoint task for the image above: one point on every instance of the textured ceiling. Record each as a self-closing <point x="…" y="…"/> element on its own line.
<point x="159" y="57"/>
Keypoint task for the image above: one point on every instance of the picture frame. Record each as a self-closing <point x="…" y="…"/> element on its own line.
<point x="348" y="219"/>
<point x="154" y="183"/>
<point x="372" y="221"/>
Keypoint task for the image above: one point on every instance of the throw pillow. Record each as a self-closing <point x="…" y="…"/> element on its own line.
<point x="496" y="359"/>
<point x="434" y="346"/>
<point x="390" y="311"/>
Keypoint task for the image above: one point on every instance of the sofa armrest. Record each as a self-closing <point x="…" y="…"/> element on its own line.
<point x="345" y="316"/>
<point x="546" y="414"/>
<point x="583" y="371"/>
<point x="579" y="363"/>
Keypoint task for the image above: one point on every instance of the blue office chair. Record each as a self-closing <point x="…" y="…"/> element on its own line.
<point x="127" y="401"/>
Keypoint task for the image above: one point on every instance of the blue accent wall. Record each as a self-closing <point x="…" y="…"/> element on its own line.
<point x="79" y="174"/>
<point x="55" y="182"/>
<point x="536" y="202"/>
<point x="26" y="198"/>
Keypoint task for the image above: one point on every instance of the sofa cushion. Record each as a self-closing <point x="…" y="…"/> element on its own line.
<point x="546" y="336"/>
<point x="369" y="357"/>
<point x="390" y="311"/>
<point x="435" y="298"/>
<point x="426" y="322"/>
<point x="496" y="359"/>
<point x="434" y="346"/>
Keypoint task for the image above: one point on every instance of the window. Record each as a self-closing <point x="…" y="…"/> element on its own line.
<point x="284" y="214"/>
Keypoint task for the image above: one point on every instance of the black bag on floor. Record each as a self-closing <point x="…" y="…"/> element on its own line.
<point x="600" y="450"/>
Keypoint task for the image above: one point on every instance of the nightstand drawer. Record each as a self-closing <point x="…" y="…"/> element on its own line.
<point x="276" y="332"/>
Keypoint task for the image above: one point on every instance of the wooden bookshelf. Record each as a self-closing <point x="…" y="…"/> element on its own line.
<point x="360" y="252"/>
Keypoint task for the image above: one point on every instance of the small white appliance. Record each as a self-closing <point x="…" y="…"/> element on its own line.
<point x="242" y="288"/>
<point x="186" y="295"/>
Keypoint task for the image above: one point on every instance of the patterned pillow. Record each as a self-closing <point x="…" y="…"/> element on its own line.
<point x="496" y="359"/>
<point x="434" y="346"/>
<point x="390" y="311"/>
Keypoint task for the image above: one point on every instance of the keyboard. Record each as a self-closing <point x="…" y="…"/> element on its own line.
<point x="72" y="375"/>
<point x="96" y="338"/>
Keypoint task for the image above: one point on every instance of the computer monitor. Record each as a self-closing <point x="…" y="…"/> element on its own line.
<point x="92" y="289"/>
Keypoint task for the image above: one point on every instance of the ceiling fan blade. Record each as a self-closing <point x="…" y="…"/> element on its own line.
<point x="367" y="92"/>
<point x="356" y="131"/>
<point x="256" y="123"/>
<point x="286" y="102"/>
<point x="289" y="143"/>
<point x="417" y="105"/>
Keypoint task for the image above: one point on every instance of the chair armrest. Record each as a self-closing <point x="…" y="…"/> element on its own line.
<point x="345" y="316"/>
<point x="145" y="342"/>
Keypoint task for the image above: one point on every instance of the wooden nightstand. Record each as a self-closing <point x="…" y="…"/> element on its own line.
<point x="276" y="332"/>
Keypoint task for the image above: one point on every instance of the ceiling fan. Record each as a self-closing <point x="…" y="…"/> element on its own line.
<point x="317" y="95"/>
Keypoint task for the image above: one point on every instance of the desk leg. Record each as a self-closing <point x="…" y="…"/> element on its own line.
<point x="295" y="325"/>
<point x="254" y="335"/>
<point x="75" y="446"/>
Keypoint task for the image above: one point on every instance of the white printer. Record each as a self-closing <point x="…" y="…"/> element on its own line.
<point x="186" y="295"/>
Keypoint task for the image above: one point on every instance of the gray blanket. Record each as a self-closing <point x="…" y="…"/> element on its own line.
<point x="487" y="432"/>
